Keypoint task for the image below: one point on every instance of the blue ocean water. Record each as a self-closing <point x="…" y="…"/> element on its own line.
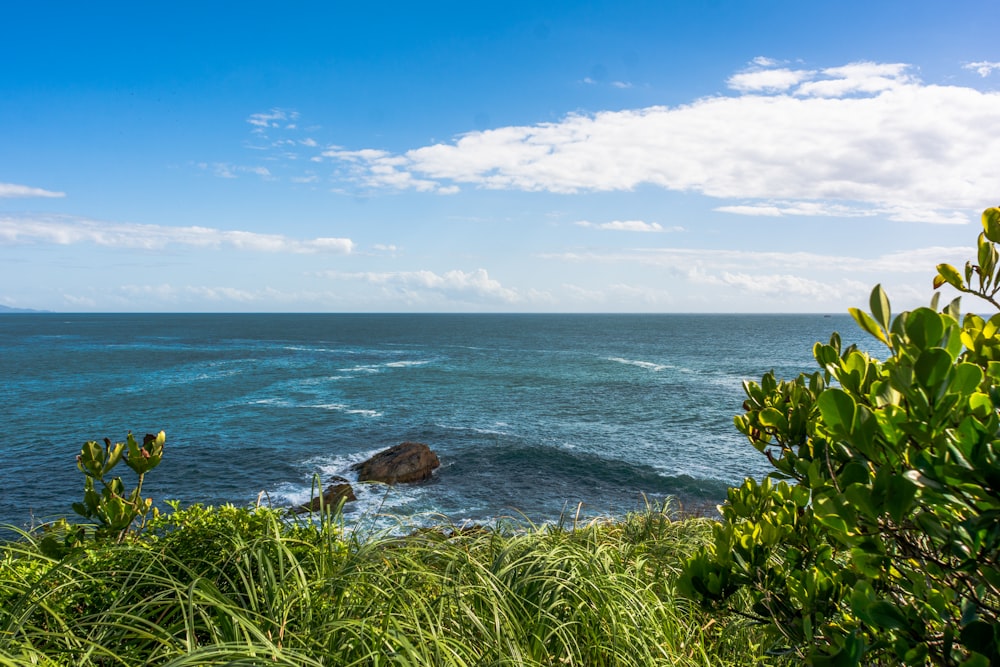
<point x="531" y="415"/>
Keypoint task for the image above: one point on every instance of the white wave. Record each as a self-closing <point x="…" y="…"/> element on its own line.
<point x="373" y="500"/>
<point x="378" y="368"/>
<point x="340" y="407"/>
<point x="361" y="369"/>
<point x="366" y="413"/>
<point x="271" y="401"/>
<point x="649" y="365"/>
<point x="494" y="430"/>
<point x="306" y="348"/>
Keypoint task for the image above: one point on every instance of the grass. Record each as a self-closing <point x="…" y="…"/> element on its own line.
<point x="247" y="586"/>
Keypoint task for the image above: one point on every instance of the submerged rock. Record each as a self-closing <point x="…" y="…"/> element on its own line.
<point x="338" y="490"/>
<point x="406" y="462"/>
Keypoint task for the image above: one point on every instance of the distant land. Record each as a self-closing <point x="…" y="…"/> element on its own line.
<point x="7" y="309"/>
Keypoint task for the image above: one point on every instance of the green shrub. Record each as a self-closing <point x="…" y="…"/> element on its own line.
<point x="225" y="586"/>
<point x="877" y="536"/>
<point x="116" y="513"/>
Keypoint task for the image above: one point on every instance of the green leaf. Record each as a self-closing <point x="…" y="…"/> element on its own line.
<point x="849" y="654"/>
<point x="879" y="303"/>
<point x="981" y="405"/>
<point x="837" y="408"/>
<point x="854" y="473"/>
<point x="932" y="367"/>
<point x="834" y="512"/>
<point x="860" y="496"/>
<point x="965" y="379"/>
<point x="114" y="455"/>
<point x="991" y="224"/>
<point x="946" y="273"/>
<point x="91" y="459"/>
<point x="922" y="480"/>
<point x="886" y="615"/>
<point x="118" y="513"/>
<point x="866" y="322"/>
<point x="981" y="637"/>
<point x="772" y="418"/>
<point x="925" y="328"/>
<point x="899" y="499"/>
<point x="954" y="309"/>
<point x="987" y="259"/>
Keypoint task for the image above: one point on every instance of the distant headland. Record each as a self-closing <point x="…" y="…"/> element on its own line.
<point x="4" y="310"/>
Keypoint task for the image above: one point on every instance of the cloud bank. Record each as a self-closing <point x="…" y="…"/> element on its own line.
<point x="11" y="190"/>
<point x="65" y="230"/>
<point x="627" y="226"/>
<point x="453" y="284"/>
<point x="858" y="139"/>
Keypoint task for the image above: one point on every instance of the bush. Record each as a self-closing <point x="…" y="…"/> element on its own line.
<point x="877" y="536"/>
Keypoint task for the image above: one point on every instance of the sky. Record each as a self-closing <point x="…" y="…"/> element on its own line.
<point x="620" y="156"/>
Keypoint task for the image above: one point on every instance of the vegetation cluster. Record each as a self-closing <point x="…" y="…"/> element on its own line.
<point x="875" y="540"/>
<point x="250" y="586"/>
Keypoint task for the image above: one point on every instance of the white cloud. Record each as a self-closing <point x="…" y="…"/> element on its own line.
<point x="858" y="78"/>
<point x="719" y="261"/>
<point x="625" y="226"/>
<point x="377" y="168"/>
<point x="275" y="118"/>
<point x="454" y="284"/>
<point x="80" y="301"/>
<point x="864" y="136"/>
<point x="63" y="230"/>
<point x="764" y="61"/>
<point x="226" y="294"/>
<point x="797" y="208"/>
<point x="983" y="68"/>
<point x="787" y="280"/>
<point x="173" y="296"/>
<point x="782" y="284"/>
<point x="617" y="295"/>
<point x="11" y="190"/>
<point x="768" y="80"/>
<point x="226" y="170"/>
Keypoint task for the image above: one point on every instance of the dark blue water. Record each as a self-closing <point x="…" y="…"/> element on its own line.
<point x="530" y="414"/>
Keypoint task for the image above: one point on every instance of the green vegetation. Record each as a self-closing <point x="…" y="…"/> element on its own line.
<point x="877" y="537"/>
<point x="117" y="514"/>
<point x="206" y="586"/>
<point x="876" y="540"/>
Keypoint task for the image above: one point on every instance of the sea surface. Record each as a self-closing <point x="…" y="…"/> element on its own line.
<point x="533" y="416"/>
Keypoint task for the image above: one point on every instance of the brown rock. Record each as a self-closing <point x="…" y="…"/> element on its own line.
<point x="406" y="462"/>
<point x="339" y="490"/>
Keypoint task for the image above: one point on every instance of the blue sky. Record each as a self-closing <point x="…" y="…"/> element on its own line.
<point x="766" y="156"/>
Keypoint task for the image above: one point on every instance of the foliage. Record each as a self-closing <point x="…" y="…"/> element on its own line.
<point x="115" y="510"/>
<point x="220" y="586"/>
<point x="877" y="537"/>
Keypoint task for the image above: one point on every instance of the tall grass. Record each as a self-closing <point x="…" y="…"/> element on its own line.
<point x="247" y="587"/>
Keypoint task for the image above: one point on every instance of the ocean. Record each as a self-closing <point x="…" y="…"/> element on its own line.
<point x="533" y="416"/>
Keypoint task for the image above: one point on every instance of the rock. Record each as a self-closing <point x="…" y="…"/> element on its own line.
<point x="338" y="490"/>
<point x="406" y="462"/>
